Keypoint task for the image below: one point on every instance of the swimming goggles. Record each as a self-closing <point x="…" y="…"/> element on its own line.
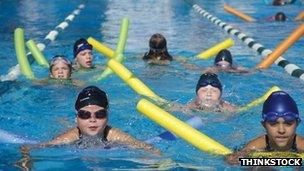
<point x="100" y="114"/>
<point x="60" y="57"/>
<point x="210" y="80"/>
<point x="273" y="117"/>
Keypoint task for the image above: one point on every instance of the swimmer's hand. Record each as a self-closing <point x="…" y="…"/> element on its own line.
<point x="158" y="62"/>
<point x="25" y="162"/>
<point x="233" y="158"/>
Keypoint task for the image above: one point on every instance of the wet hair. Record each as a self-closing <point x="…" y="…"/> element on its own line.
<point x="280" y="16"/>
<point x="278" y="3"/>
<point x="60" y="57"/>
<point x="208" y="79"/>
<point x="158" y="48"/>
<point x="80" y="45"/>
<point x="223" y="55"/>
<point x="91" y="95"/>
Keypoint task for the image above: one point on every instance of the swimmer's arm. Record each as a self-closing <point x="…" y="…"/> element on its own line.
<point x="211" y="70"/>
<point x="300" y="144"/>
<point x="230" y="108"/>
<point x="66" y="138"/>
<point x="184" y="62"/>
<point x="257" y="144"/>
<point x="100" y="67"/>
<point x="118" y="136"/>
<point x="41" y="82"/>
<point x="78" y="83"/>
<point x="158" y="62"/>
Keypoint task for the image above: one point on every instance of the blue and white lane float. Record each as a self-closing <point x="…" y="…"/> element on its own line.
<point x="8" y="137"/>
<point x="290" y="68"/>
<point x="14" y="71"/>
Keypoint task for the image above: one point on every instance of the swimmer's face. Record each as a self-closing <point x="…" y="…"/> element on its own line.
<point x="209" y="95"/>
<point x="60" y="70"/>
<point x="93" y="125"/>
<point x="281" y="133"/>
<point x="223" y="64"/>
<point x="85" y="58"/>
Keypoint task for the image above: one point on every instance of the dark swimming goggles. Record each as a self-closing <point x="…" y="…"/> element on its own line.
<point x="100" y="114"/>
<point x="273" y="117"/>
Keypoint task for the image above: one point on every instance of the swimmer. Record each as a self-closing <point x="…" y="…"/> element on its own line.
<point x="158" y="53"/>
<point x="83" y="55"/>
<point x="92" y="128"/>
<point x="60" y="72"/>
<point x="60" y="67"/>
<point x="280" y="118"/>
<point x="280" y="16"/>
<point x="208" y="95"/>
<point x="223" y="63"/>
<point x="282" y="2"/>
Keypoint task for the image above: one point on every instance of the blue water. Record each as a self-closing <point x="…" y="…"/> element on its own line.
<point x="42" y="112"/>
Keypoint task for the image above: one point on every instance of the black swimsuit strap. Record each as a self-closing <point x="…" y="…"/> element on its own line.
<point x="106" y="132"/>
<point x="268" y="147"/>
<point x="294" y="144"/>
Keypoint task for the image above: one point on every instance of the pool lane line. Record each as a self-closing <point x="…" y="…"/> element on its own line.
<point x="14" y="71"/>
<point x="290" y="68"/>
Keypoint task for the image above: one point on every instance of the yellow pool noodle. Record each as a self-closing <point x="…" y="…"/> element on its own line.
<point x="36" y="53"/>
<point x="21" y="55"/>
<point x="276" y="154"/>
<point x="130" y="79"/>
<point x="105" y="50"/>
<point x="215" y="49"/>
<point x="181" y="129"/>
<point x="260" y="99"/>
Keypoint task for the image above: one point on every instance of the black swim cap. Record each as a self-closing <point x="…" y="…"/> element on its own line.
<point x="280" y="104"/>
<point x="208" y="79"/>
<point x="80" y="45"/>
<point x="280" y="16"/>
<point x="91" y="96"/>
<point x="223" y="55"/>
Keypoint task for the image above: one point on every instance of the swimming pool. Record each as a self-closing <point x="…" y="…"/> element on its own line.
<point x="42" y="112"/>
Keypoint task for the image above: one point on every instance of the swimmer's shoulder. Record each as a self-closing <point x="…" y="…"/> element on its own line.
<point x="65" y="138"/>
<point x="300" y="143"/>
<point x="257" y="144"/>
<point x="115" y="135"/>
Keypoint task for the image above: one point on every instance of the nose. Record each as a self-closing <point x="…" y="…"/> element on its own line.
<point x="88" y="56"/>
<point x="92" y="119"/>
<point x="281" y="129"/>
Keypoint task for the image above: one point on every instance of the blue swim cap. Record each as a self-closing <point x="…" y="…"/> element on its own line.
<point x="91" y="95"/>
<point x="80" y="45"/>
<point x="223" y="55"/>
<point x="208" y="79"/>
<point x="280" y="104"/>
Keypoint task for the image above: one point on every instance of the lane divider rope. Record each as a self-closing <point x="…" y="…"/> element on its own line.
<point x="14" y="71"/>
<point x="290" y="68"/>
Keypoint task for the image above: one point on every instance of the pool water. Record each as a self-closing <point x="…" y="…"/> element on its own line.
<point x="42" y="112"/>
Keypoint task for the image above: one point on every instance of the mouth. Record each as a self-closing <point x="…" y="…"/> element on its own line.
<point x="93" y="128"/>
<point x="89" y="63"/>
<point x="281" y="138"/>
